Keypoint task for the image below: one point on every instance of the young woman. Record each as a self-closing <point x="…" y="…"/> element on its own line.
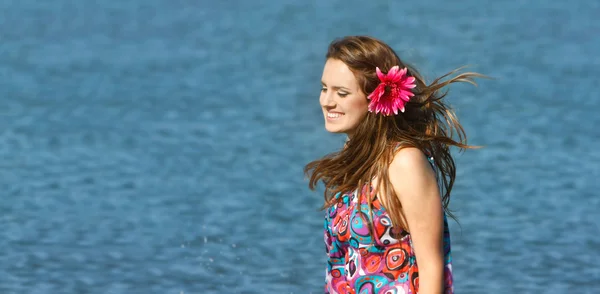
<point x="388" y="189"/>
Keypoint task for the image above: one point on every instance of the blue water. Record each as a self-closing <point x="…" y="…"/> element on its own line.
<point x="154" y="146"/>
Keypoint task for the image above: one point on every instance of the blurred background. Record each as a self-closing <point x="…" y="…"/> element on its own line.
<point x="153" y="146"/>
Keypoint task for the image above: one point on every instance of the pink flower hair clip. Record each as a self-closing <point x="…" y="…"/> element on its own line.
<point x="392" y="93"/>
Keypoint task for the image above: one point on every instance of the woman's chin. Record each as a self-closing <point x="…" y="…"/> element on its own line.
<point x="334" y="129"/>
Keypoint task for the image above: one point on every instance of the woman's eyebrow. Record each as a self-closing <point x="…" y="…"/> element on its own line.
<point x="336" y="87"/>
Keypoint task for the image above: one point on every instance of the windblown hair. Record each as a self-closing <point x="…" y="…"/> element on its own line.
<point x="427" y="124"/>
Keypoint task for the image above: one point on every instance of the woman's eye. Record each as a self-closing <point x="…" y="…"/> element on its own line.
<point x="323" y="89"/>
<point x="342" y="94"/>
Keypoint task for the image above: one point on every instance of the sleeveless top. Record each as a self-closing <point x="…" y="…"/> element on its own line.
<point x="380" y="262"/>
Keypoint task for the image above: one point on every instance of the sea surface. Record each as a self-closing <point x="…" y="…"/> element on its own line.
<point x="153" y="146"/>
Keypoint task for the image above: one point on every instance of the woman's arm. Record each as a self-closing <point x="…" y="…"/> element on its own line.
<point x="415" y="184"/>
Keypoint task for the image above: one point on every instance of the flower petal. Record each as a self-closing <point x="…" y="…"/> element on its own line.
<point x="380" y="75"/>
<point x="409" y="83"/>
<point x="377" y="93"/>
<point x="403" y="71"/>
<point x="395" y="75"/>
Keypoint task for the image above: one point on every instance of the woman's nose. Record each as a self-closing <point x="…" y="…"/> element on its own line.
<point x="328" y="100"/>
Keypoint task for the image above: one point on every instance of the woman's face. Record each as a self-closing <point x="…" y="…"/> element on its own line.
<point x="343" y="102"/>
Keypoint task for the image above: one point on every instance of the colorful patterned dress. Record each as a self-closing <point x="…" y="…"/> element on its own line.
<point x="361" y="262"/>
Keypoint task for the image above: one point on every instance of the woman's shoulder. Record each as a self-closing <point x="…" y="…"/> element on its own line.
<point x="407" y="156"/>
<point x="409" y="161"/>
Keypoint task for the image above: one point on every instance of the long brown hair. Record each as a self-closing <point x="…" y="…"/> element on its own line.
<point x="427" y="124"/>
